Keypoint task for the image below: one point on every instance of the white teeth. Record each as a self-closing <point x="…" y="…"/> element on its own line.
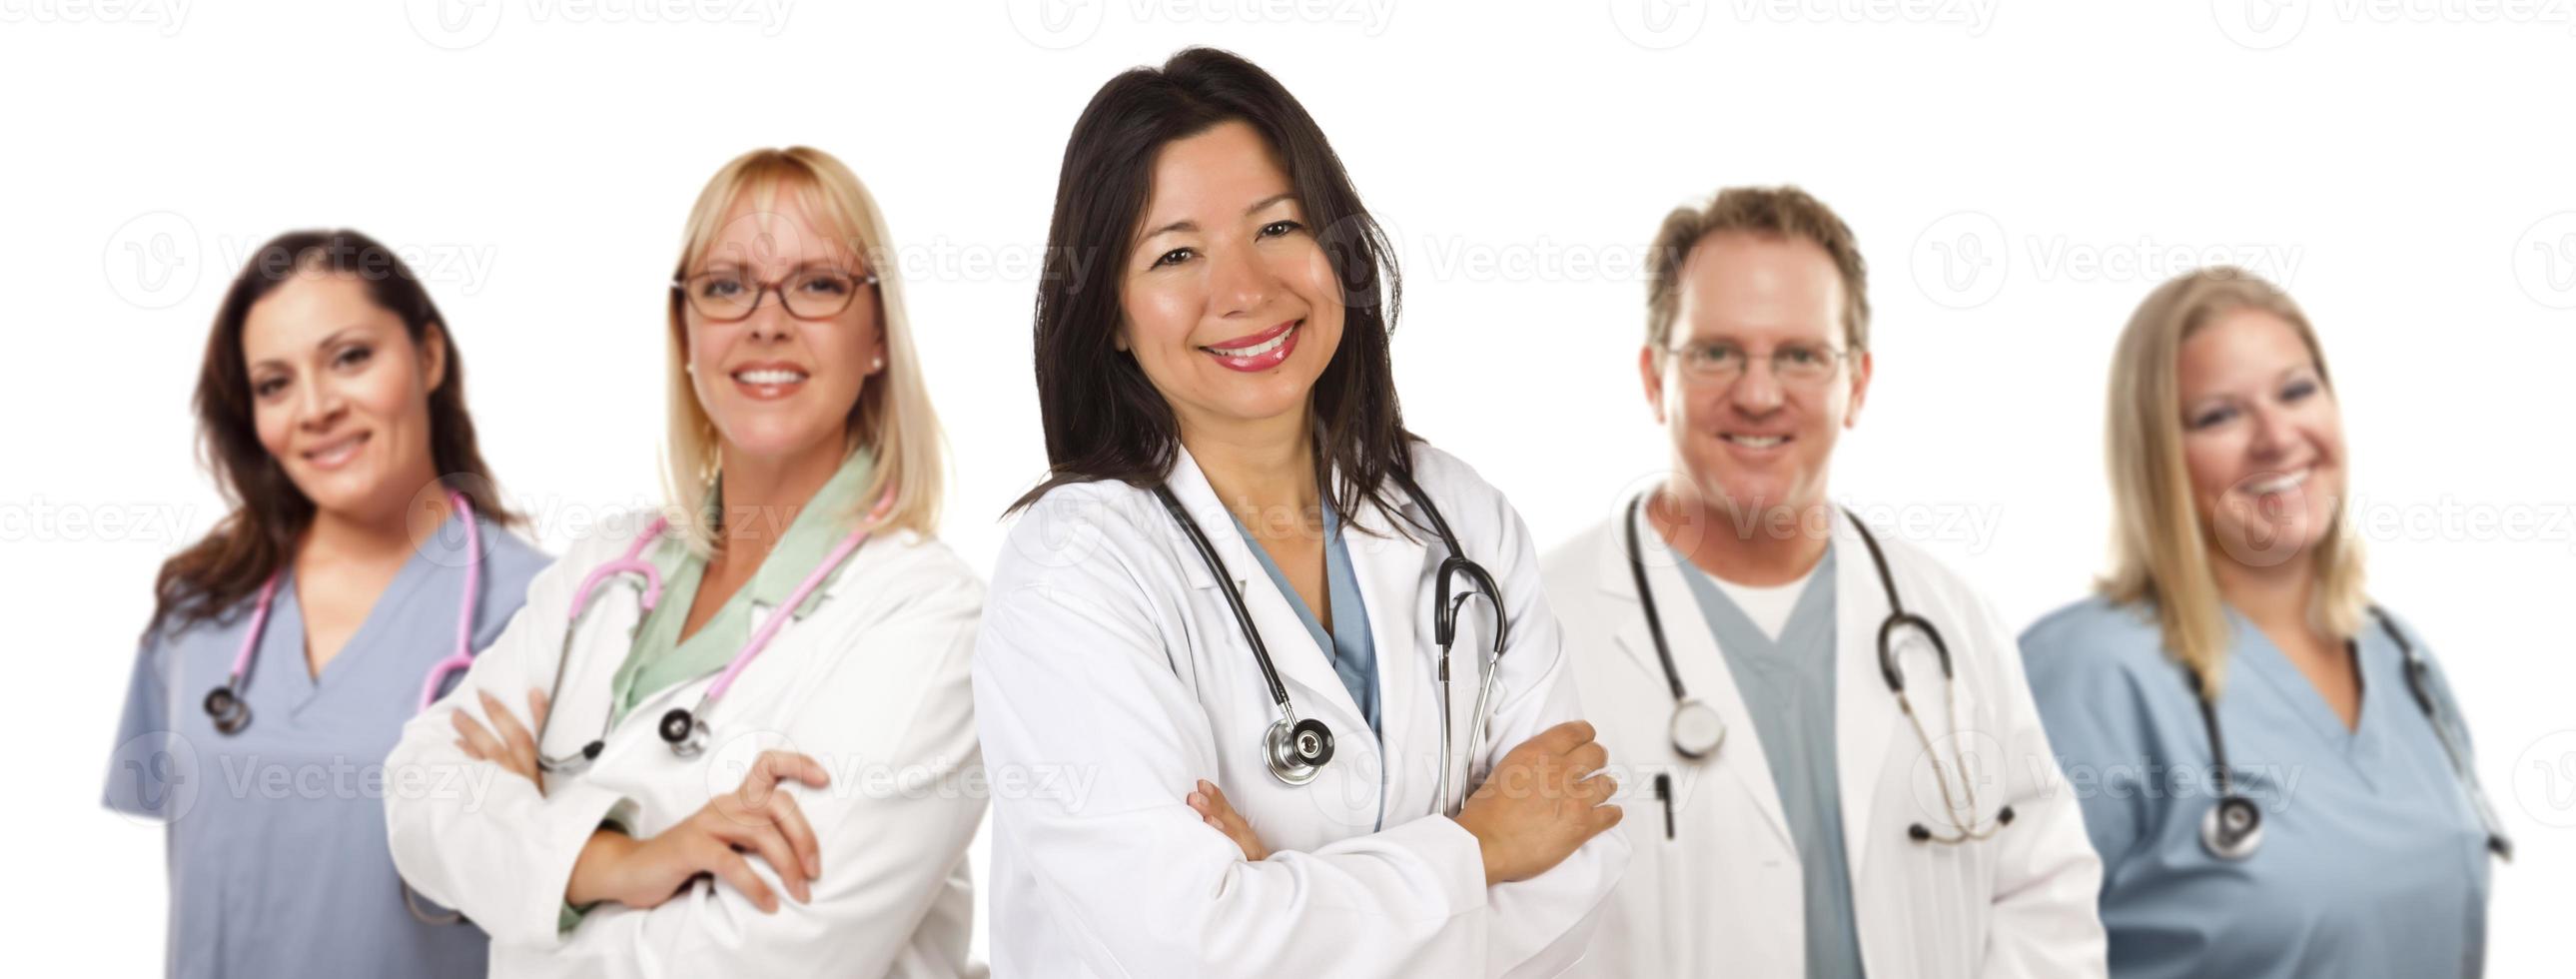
<point x="772" y="376"/>
<point x="1757" y="441"/>
<point x="335" y="451"/>
<point x="2279" y="484"/>
<point x="1263" y="347"/>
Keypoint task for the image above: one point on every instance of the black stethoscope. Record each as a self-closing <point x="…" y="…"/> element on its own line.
<point x="1295" y="750"/>
<point x="1697" y="730"/>
<point x="2233" y="829"/>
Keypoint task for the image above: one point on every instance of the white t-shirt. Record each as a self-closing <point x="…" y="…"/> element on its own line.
<point x="1769" y="605"/>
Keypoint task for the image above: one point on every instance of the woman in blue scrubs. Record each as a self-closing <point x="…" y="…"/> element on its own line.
<point x="2274" y="773"/>
<point x="331" y="407"/>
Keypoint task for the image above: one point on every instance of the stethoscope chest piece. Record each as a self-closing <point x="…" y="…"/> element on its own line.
<point x="230" y="713"/>
<point x="2232" y="829"/>
<point x="681" y="729"/>
<point x="1295" y="751"/>
<point x="1697" y="730"/>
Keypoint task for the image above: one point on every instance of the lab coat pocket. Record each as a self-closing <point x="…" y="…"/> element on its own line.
<point x="1959" y="787"/>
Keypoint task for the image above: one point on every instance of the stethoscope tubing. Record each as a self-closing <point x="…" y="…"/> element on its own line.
<point x="232" y="714"/>
<point x="684" y="730"/>
<point x="1445" y="608"/>
<point x="1889" y="671"/>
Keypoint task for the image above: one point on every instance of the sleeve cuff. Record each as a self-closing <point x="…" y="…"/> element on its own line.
<point x="570" y="916"/>
<point x="1448" y="846"/>
<point x="573" y="815"/>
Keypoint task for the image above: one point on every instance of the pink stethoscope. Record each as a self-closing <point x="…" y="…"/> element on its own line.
<point x="684" y="729"/>
<point x="231" y="713"/>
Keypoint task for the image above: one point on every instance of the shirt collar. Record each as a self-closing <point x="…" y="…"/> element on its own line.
<point x="819" y="526"/>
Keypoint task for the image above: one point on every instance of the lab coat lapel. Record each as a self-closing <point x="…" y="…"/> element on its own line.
<point x="1705" y="675"/>
<point x="606" y="635"/>
<point x="1864" y="712"/>
<point x="1304" y="668"/>
<point x="1390" y="567"/>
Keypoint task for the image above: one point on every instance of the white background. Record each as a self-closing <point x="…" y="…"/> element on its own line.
<point x="2019" y="176"/>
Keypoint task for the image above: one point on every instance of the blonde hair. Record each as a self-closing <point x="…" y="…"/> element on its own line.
<point x="2160" y="549"/>
<point x="893" y="418"/>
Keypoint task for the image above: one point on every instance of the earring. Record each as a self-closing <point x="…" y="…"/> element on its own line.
<point x="877" y="364"/>
<point x="713" y="465"/>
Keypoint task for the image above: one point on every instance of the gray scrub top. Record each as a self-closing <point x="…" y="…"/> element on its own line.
<point x="277" y="853"/>
<point x="1787" y="685"/>
<point x="2372" y="864"/>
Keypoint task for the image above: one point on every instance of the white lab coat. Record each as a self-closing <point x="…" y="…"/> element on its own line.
<point x="1110" y="676"/>
<point x="872" y="683"/>
<point x="1723" y="895"/>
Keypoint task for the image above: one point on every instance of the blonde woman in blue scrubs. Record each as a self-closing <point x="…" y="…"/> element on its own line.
<point x="2276" y="776"/>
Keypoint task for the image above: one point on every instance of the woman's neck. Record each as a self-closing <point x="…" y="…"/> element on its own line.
<point x="379" y="535"/>
<point x="763" y="496"/>
<point x="2276" y="599"/>
<point x="1261" y="470"/>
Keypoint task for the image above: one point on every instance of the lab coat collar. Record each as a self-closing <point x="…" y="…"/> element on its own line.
<point x="1389" y="574"/>
<point x="826" y="518"/>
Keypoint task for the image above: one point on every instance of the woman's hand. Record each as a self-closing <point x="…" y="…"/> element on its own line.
<point x="1538" y="805"/>
<point x="755" y="819"/>
<point x="512" y="747"/>
<point x="1210" y="803"/>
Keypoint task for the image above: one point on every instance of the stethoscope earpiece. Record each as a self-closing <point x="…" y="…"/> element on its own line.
<point x="2232" y="829"/>
<point x="230" y="713"/>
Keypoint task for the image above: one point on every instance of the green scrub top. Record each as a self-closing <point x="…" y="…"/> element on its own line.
<point x="660" y="660"/>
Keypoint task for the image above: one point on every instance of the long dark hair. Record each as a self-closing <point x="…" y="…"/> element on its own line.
<point x="258" y="537"/>
<point x="1104" y="420"/>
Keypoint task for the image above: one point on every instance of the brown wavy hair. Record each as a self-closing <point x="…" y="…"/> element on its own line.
<point x="269" y="513"/>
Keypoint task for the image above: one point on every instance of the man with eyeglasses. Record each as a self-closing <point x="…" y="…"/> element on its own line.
<point x="1834" y="767"/>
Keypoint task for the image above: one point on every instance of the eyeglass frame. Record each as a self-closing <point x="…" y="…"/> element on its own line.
<point x="1835" y="358"/>
<point x="761" y="291"/>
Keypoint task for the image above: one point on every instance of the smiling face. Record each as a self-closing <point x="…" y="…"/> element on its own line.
<point x="2262" y="438"/>
<point x="1757" y="442"/>
<point x="775" y="385"/>
<point x="340" y="393"/>
<point x="1230" y="305"/>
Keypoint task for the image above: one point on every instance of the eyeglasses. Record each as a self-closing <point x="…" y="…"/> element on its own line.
<point x="1792" y="363"/>
<point x="729" y="295"/>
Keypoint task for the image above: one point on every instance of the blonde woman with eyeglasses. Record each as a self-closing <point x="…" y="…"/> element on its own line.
<point x="2273" y="771"/>
<point x="729" y="739"/>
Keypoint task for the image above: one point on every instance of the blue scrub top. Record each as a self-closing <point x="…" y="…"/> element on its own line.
<point x="1353" y="651"/>
<point x="2373" y="861"/>
<point x="277" y="853"/>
